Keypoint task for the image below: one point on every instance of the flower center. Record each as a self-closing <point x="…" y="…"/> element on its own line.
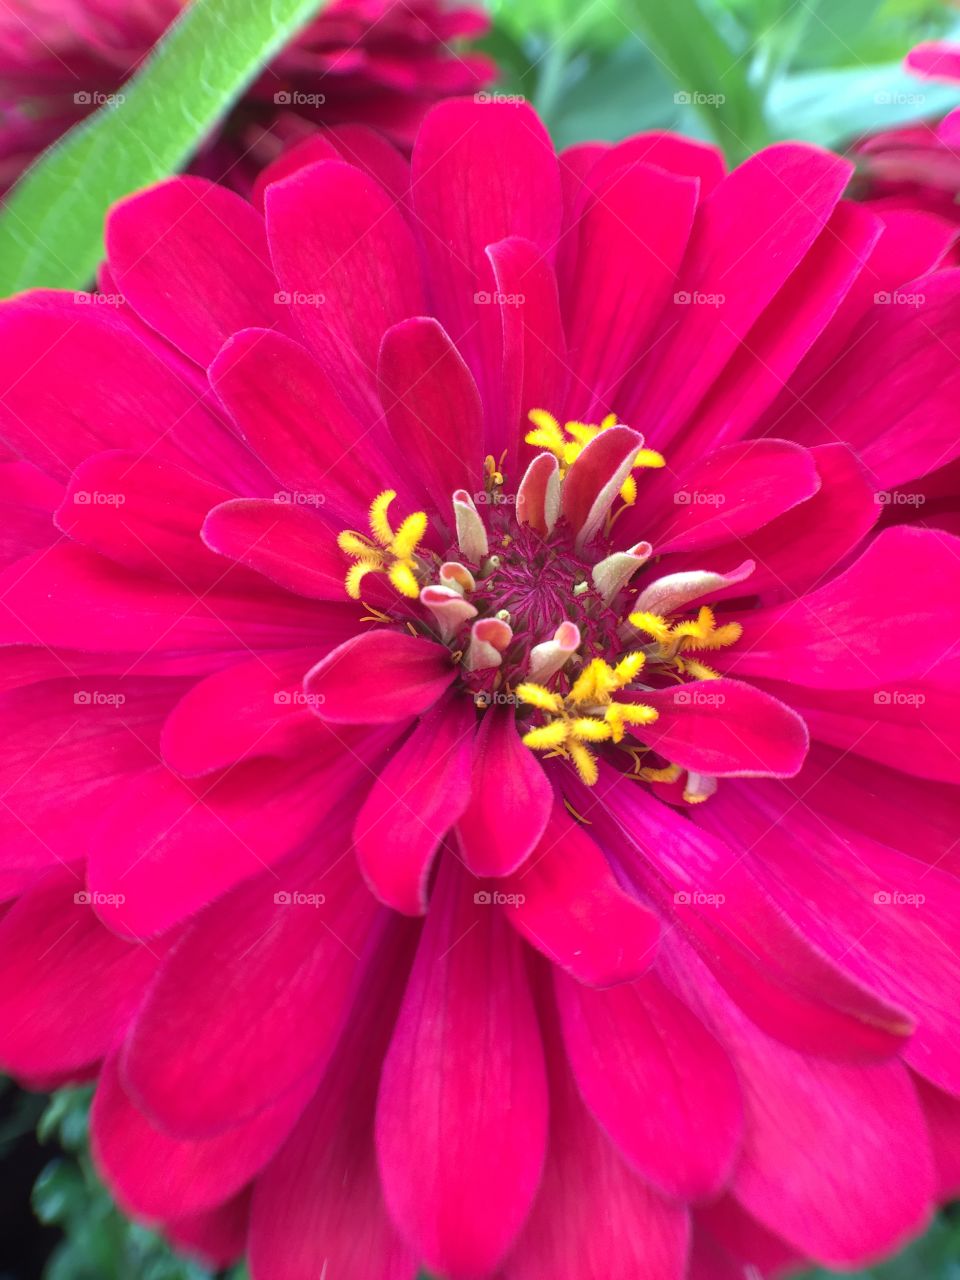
<point x="536" y="605"/>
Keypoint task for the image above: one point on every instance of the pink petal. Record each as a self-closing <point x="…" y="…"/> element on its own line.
<point x="591" y="1207"/>
<point x="329" y="226"/>
<point x="751" y="234"/>
<point x="289" y="411"/>
<point x="358" y="145"/>
<point x="267" y="973"/>
<point x="379" y="677"/>
<point x="753" y="932"/>
<point x="892" y="396"/>
<point x="320" y="1204"/>
<point x="70" y="986"/>
<point x="914" y="727"/>
<point x="54" y="413"/>
<point x="733" y="491"/>
<point x="462" y="1114"/>
<point x="287" y="543"/>
<point x="510" y="799"/>
<point x="432" y="406"/>
<point x="800" y="1113"/>
<point x="595" y="478"/>
<point x="912" y="244"/>
<point x="67" y="744"/>
<point x="725" y="728"/>
<point x="171" y="846"/>
<point x="936" y="59"/>
<point x="656" y="1081"/>
<point x="71" y="598"/>
<point x="257" y="707"/>
<point x="907" y="813"/>
<point x="797" y="550"/>
<point x="144" y="514"/>
<point x="535" y="365"/>
<point x="153" y="1175"/>
<point x="413" y="804"/>
<point x="191" y="259"/>
<point x="888" y="919"/>
<point x="218" y="1236"/>
<point x="622" y="279"/>
<point x="482" y="172"/>
<point x="787" y="329"/>
<point x="849" y="633"/>
<point x="568" y="905"/>
<point x="943" y="1124"/>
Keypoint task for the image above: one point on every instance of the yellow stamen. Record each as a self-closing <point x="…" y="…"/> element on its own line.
<point x="696" y="634"/>
<point x="394" y="554"/>
<point x="588" y="713"/>
<point x="566" y="448"/>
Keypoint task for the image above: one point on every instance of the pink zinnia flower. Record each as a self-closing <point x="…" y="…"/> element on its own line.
<point x="478" y="788"/>
<point x="917" y="166"/>
<point x="376" y="62"/>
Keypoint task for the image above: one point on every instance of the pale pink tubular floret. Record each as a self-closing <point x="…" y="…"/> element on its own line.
<point x="480" y="767"/>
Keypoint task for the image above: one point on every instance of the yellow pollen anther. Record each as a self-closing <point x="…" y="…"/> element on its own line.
<point x="589" y="713"/>
<point x="389" y="552"/>
<point x="566" y="443"/>
<point x="696" y="634"/>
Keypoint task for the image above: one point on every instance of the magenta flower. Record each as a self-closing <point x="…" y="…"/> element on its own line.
<point x="479" y="783"/>
<point x="381" y="63"/>
<point x="917" y="166"/>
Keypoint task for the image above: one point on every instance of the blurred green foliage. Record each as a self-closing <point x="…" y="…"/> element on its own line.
<point x="824" y="71"/>
<point x="99" y="1243"/>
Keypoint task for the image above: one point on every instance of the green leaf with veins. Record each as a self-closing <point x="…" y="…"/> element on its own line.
<point x="51" y="224"/>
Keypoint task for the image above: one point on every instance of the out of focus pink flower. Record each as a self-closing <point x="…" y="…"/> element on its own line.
<point x="918" y="166"/>
<point x="479" y="776"/>
<point x="375" y="62"/>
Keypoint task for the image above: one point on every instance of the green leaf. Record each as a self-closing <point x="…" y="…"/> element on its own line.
<point x="51" y="225"/>
<point x="699" y="52"/>
<point x="833" y="108"/>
